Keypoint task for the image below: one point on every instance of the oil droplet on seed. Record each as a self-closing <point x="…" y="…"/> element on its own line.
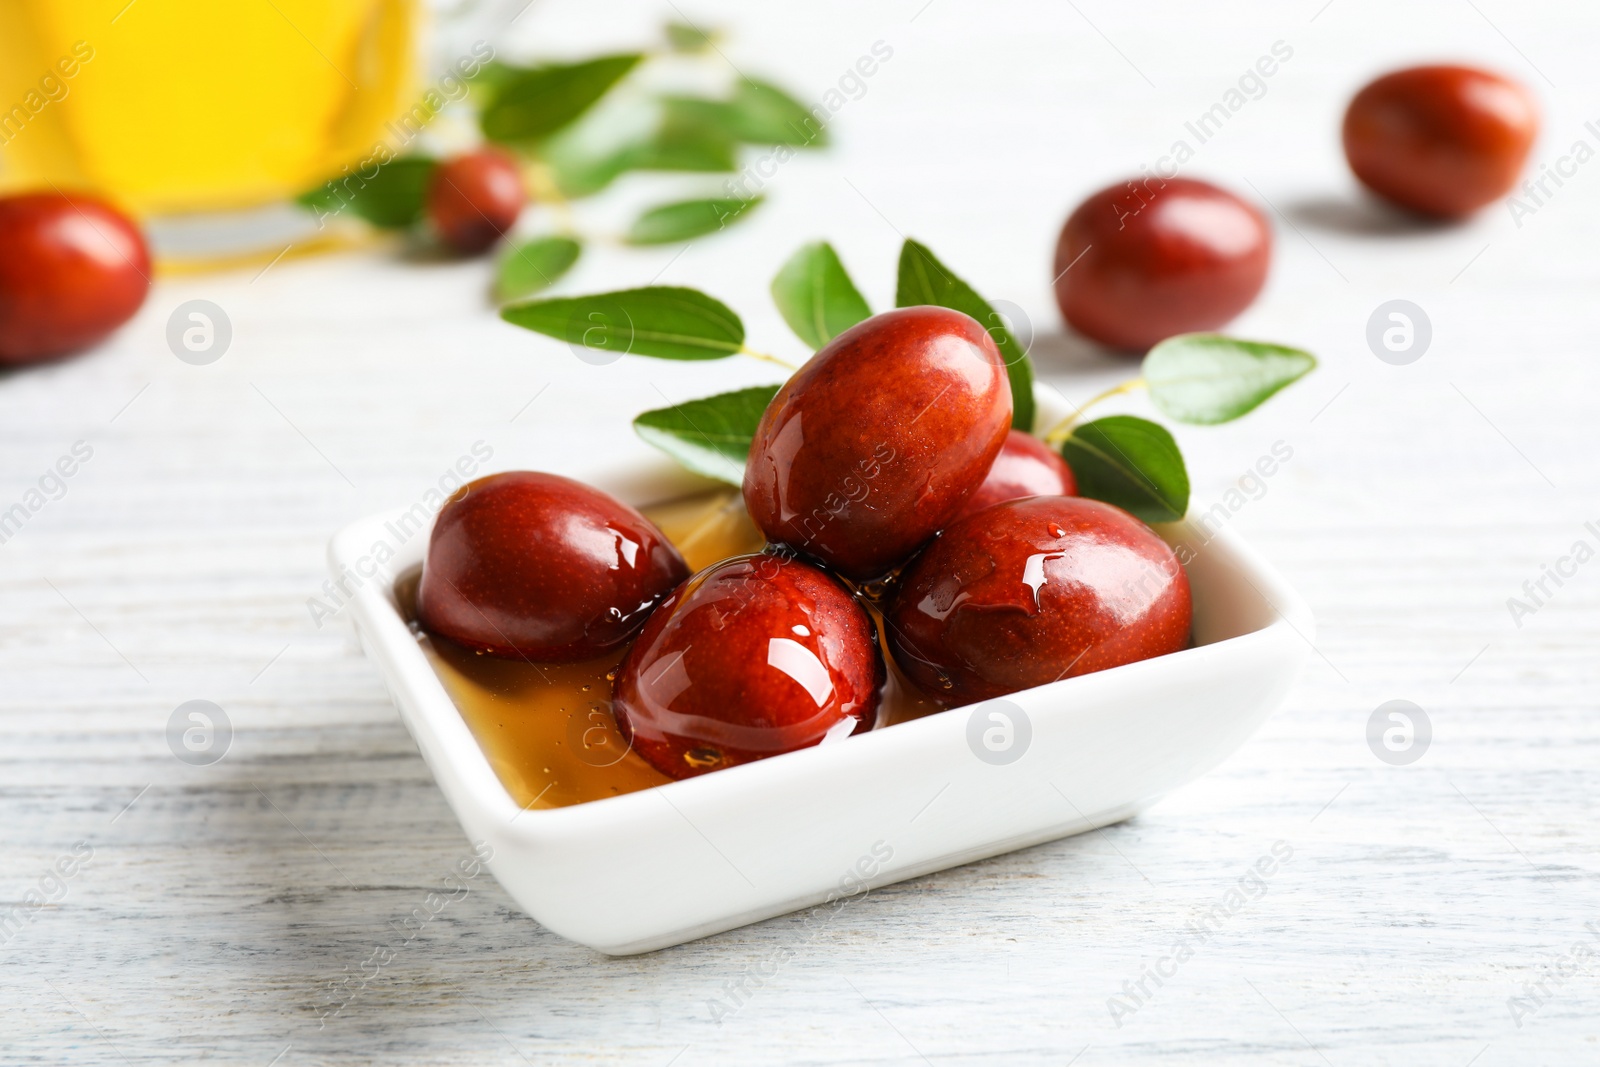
<point x="1057" y="531"/>
<point x="702" y="757"/>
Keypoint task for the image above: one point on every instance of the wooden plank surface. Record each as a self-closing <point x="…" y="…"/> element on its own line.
<point x="235" y="913"/>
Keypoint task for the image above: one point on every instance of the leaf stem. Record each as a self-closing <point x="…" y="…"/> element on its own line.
<point x="1063" y="429"/>
<point x="546" y="190"/>
<point x="765" y="358"/>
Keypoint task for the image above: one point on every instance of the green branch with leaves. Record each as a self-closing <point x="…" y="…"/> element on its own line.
<point x="1200" y="379"/>
<point x="574" y="135"/>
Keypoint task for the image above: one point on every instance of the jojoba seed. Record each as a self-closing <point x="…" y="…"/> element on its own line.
<point x="1030" y="591"/>
<point x="540" y="567"/>
<point x="752" y="657"/>
<point x="474" y="199"/>
<point x="1142" y="261"/>
<point x="1026" y="466"/>
<point x="1443" y="140"/>
<point x="72" y="269"/>
<point x="873" y="445"/>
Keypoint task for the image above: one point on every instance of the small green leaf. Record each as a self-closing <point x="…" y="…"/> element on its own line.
<point x="1207" y="378"/>
<point x="392" y="199"/>
<point x="816" y="297"/>
<point x="924" y="280"/>
<point x="626" y="135"/>
<point x="1132" y="463"/>
<point x="582" y="168"/>
<point x="765" y="114"/>
<point x="759" y="113"/>
<point x="685" y="141"/>
<point x="687" y="37"/>
<point x="541" y="100"/>
<point x="667" y="323"/>
<point x="686" y="219"/>
<point x="492" y="77"/>
<point x="699" y="113"/>
<point x="710" y="436"/>
<point x="529" y="266"/>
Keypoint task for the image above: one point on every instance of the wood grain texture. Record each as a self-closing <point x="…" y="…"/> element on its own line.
<point x="227" y="910"/>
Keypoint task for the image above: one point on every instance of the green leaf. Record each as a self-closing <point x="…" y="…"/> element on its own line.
<point x="687" y="37"/>
<point x="529" y="266"/>
<point x="667" y="323"/>
<point x="924" y="280"/>
<point x="758" y="113"/>
<point x="686" y="219"/>
<point x="1132" y="463"/>
<point x="700" y="114"/>
<point x="710" y="436"/>
<point x="392" y="199"/>
<point x="491" y="78"/>
<point x="581" y="173"/>
<point x="816" y="297"/>
<point x="626" y="135"/>
<point x="765" y="114"/>
<point x="541" y="100"/>
<point x="685" y="141"/>
<point x="1206" y="378"/>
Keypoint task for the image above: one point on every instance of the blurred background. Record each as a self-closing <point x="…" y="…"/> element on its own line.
<point x="359" y="365"/>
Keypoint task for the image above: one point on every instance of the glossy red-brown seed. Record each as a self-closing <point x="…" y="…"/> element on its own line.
<point x="873" y="445"/>
<point x="1034" y="590"/>
<point x="474" y="199"/>
<point x="72" y="269"/>
<point x="1025" y="467"/>
<point x="1442" y="141"/>
<point x="752" y="657"/>
<point x="540" y="567"/>
<point x="1150" y="258"/>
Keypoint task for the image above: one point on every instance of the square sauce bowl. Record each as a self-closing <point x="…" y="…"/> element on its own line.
<point x="663" y="862"/>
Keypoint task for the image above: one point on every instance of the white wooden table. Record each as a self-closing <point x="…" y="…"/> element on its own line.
<point x="223" y="909"/>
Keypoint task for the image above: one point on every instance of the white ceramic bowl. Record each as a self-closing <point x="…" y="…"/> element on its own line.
<point x="645" y="870"/>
